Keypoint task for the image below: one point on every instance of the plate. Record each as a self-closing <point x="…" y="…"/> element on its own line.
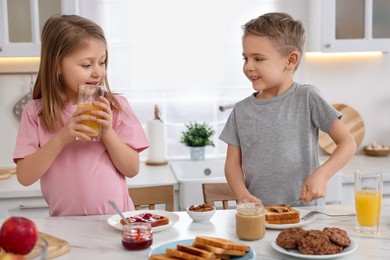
<point x="301" y="223"/>
<point x="114" y="220"/>
<point x="161" y="249"/>
<point x="348" y="250"/>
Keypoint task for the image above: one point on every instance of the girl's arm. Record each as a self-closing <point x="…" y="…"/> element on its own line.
<point x="33" y="167"/>
<point x="235" y="176"/>
<point x="315" y="185"/>
<point x="125" y="158"/>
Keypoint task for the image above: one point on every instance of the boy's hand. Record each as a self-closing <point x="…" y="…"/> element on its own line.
<point x="314" y="187"/>
<point x="250" y="199"/>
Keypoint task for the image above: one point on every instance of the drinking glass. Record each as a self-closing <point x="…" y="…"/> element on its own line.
<point x="368" y="201"/>
<point x="86" y="95"/>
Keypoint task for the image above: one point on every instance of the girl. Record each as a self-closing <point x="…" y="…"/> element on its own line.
<point x="77" y="177"/>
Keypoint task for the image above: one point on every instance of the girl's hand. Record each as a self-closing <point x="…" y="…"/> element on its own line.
<point x="104" y="117"/>
<point x="73" y="129"/>
<point x="314" y="187"/>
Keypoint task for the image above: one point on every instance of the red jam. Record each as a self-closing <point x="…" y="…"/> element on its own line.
<point x="144" y="217"/>
<point x="137" y="236"/>
<point x="137" y="245"/>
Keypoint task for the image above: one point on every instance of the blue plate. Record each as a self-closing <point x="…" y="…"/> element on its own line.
<point x="251" y="255"/>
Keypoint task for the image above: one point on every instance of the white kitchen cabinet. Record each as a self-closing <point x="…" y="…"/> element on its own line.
<point x="24" y="206"/>
<point x="348" y="25"/>
<point x="21" y="23"/>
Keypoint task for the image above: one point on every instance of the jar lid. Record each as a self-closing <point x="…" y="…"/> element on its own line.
<point x="250" y="209"/>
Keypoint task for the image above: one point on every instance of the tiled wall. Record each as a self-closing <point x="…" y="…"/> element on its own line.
<point x="179" y="107"/>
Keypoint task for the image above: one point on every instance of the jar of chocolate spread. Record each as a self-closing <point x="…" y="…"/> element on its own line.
<point x="250" y="221"/>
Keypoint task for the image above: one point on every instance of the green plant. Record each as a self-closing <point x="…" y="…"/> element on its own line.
<point x="197" y="135"/>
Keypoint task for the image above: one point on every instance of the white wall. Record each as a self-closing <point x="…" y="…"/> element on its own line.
<point x="148" y="75"/>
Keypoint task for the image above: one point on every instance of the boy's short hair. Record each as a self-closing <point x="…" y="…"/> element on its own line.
<point x="280" y="28"/>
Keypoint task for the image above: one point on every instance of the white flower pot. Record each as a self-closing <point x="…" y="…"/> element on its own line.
<point x="197" y="153"/>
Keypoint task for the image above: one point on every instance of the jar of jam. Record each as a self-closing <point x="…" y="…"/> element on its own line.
<point x="137" y="236"/>
<point x="250" y="221"/>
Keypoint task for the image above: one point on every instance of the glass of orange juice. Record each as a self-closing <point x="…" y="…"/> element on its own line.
<point x="368" y="201"/>
<point x="86" y="95"/>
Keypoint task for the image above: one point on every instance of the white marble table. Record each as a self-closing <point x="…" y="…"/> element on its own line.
<point x="92" y="238"/>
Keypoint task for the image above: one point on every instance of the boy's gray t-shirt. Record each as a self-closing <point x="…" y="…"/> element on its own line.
<point x="278" y="139"/>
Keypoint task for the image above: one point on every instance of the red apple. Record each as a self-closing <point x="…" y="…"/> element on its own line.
<point x="18" y="235"/>
<point x="10" y="256"/>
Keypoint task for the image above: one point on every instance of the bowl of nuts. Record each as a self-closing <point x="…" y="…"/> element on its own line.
<point x="201" y="212"/>
<point x="376" y="149"/>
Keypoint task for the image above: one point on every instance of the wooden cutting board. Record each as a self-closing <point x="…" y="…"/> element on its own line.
<point x="354" y="123"/>
<point x="56" y="246"/>
<point x="5" y="174"/>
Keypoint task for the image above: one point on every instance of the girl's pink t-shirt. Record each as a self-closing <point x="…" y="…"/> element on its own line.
<point x="82" y="178"/>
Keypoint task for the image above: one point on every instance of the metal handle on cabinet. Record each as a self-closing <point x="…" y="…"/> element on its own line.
<point x="1" y="49"/>
<point x="23" y="207"/>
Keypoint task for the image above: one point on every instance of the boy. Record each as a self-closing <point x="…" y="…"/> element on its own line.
<point x="272" y="135"/>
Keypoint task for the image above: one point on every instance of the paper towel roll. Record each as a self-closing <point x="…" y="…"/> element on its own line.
<point x="156" y="136"/>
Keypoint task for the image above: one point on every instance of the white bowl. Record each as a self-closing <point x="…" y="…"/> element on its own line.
<point x="200" y="216"/>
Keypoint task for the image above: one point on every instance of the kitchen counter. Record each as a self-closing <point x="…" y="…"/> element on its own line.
<point x="148" y="176"/>
<point x="16" y="199"/>
<point x="14" y="194"/>
<point x="92" y="238"/>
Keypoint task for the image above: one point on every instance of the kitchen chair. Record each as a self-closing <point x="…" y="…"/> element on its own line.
<point x="152" y="195"/>
<point x="218" y="192"/>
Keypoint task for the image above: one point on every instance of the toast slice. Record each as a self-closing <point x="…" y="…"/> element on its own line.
<point x="218" y="251"/>
<point x="222" y="243"/>
<point x="280" y="214"/>
<point x="153" y="219"/>
<point x="183" y="255"/>
<point x="195" y="251"/>
<point x="214" y="249"/>
<point x="161" y="257"/>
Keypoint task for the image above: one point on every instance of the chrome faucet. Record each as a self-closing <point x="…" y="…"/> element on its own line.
<point x="225" y="107"/>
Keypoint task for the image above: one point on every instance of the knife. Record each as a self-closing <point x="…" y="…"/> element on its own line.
<point x="292" y="203"/>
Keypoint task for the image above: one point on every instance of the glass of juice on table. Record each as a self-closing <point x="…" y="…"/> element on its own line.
<point x="86" y="95"/>
<point x="368" y="201"/>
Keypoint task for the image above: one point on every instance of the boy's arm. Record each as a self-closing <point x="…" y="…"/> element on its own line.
<point x="315" y="185"/>
<point x="235" y="176"/>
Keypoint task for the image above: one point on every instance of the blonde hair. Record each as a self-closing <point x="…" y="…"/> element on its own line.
<point x="61" y="35"/>
<point x="280" y="28"/>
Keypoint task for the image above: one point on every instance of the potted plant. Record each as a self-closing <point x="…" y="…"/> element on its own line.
<point x="197" y="136"/>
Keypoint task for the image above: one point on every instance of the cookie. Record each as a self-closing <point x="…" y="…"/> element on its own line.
<point x="334" y="249"/>
<point x="337" y="236"/>
<point x="290" y="237"/>
<point x="315" y="242"/>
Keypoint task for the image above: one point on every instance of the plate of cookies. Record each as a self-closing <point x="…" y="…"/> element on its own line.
<point x="331" y="242"/>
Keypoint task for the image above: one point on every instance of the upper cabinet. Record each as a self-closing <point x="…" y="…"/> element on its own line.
<point x="21" y="24"/>
<point x="349" y="25"/>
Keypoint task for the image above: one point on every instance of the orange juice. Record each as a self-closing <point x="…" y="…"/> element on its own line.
<point x="92" y="124"/>
<point x="368" y="207"/>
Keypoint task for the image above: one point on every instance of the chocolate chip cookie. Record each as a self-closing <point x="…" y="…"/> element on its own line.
<point x="337" y="236"/>
<point x="290" y="237"/>
<point x="315" y="242"/>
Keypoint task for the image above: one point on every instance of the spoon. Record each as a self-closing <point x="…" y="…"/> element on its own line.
<point x="118" y="211"/>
